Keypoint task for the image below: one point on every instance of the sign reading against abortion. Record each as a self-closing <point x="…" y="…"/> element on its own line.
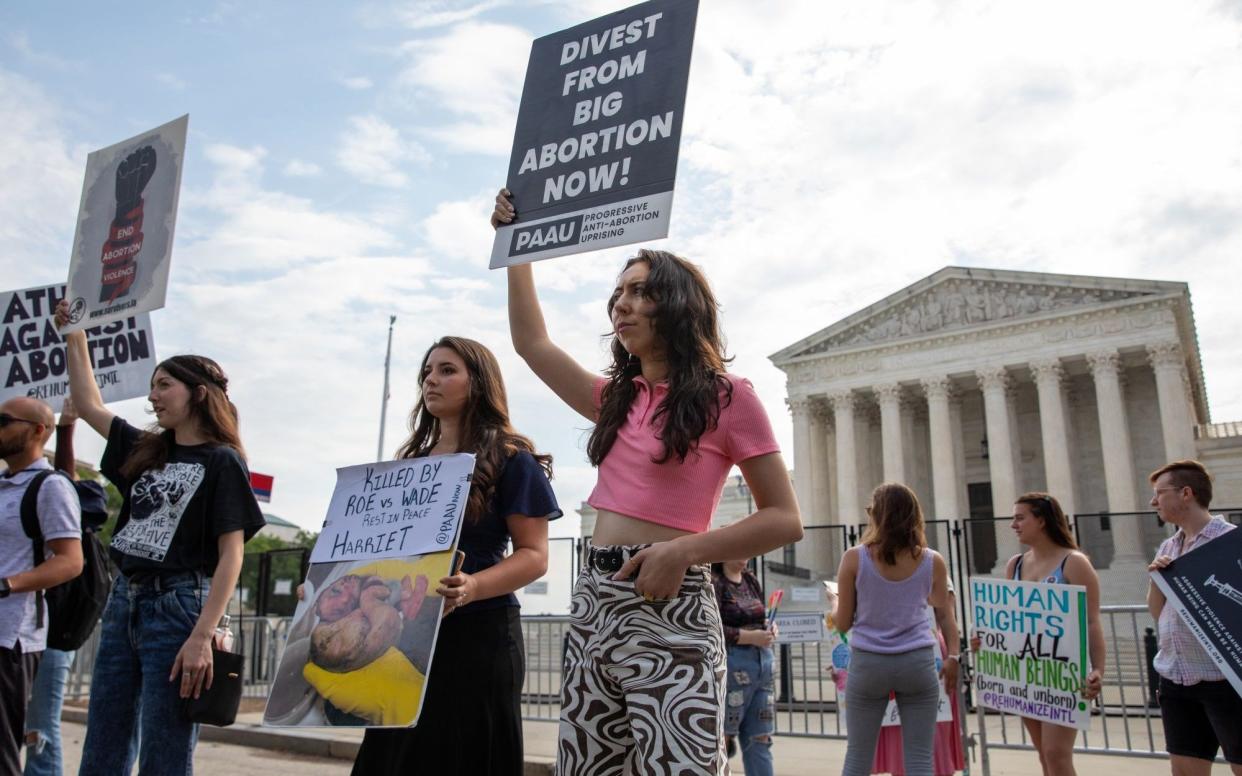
<point x="1205" y="587"/>
<point x="598" y="130"/>
<point x="395" y="509"/>
<point x="1033" y="659"/>
<point x="123" y="245"/>
<point x="33" y="358"/>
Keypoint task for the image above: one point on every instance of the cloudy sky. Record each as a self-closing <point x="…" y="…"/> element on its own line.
<point x="342" y="158"/>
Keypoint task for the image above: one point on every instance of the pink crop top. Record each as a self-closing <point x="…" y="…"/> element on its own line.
<point x="681" y="495"/>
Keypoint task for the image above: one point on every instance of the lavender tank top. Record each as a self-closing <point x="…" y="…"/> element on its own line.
<point x="891" y="617"/>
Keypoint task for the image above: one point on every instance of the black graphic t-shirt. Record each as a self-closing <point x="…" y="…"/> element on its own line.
<point x="172" y="517"/>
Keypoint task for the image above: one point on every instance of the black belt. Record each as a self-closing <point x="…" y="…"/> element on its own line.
<point x="609" y="560"/>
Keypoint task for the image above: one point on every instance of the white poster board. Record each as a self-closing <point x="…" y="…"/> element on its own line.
<point x="123" y="245"/>
<point x="395" y="509"/>
<point x="1033" y="659"/>
<point x="32" y="352"/>
<point x="800" y="627"/>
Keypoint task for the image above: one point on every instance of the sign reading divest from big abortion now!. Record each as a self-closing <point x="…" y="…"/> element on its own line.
<point x="1033" y="659"/>
<point x="123" y="245"/>
<point x="33" y="358"/>
<point x="595" y="149"/>
<point x="395" y="509"/>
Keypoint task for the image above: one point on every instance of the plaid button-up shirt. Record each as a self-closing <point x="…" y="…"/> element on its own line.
<point x="1181" y="658"/>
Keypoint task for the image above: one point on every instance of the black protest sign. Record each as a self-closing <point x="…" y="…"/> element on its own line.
<point x="595" y="150"/>
<point x="1205" y="587"/>
<point x="32" y="352"/>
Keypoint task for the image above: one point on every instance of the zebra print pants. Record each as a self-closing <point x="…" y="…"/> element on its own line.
<point x="644" y="681"/>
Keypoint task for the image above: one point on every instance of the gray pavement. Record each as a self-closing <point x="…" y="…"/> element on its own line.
<point x="247" y="749"/>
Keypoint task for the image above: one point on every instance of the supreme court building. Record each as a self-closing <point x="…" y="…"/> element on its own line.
<point x="973" y="386"/>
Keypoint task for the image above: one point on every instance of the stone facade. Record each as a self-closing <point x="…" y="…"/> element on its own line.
<point x="974" y="386"/>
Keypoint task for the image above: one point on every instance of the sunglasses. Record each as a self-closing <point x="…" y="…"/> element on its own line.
<point x="6" y="419"/>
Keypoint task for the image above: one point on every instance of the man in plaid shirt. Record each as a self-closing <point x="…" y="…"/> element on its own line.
<point x="1199" y="708"/>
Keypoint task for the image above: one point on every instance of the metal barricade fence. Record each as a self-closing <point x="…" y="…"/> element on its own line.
<point x="1125" y="722"/>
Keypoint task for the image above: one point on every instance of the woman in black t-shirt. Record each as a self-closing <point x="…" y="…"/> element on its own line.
<point x="187" y="512"/>
<point x="471" y="722"/>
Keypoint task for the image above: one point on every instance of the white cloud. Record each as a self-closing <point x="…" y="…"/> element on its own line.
<point x="40" y="185"/>
<point x="237" y="225"/>
<point x="357" y="83"/>
<point x="426" y="14"/>
<point x="171" y="81"/>
<point x="300" y="168"/>
<point x="470" y="73"/>
<point x="373" y="151"/>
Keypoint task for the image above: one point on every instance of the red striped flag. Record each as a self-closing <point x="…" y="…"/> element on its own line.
<point x="261" y="485"/>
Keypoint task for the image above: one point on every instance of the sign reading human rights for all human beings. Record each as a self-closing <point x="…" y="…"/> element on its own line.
<point x="1205" y="587"/>
<point x="1033" y="658"/>
<point x="33" y="361"/>
<point x="395" y="509"/>
<point x="598" y="131"/>
<point x="123" y="245"/>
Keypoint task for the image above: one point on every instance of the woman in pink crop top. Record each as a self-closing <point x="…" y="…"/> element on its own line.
<point x="645" y="659"/>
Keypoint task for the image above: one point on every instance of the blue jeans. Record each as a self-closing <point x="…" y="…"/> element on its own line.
<point x="750" y="713"/>
<point x="144" y="625"/>
<point x="43" y="714"/>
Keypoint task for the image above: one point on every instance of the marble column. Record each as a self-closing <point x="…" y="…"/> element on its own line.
<point x="995" y="382"/>
<point x="959" y="450"/>
<point x="889" y="396"/>
<point x="1126" y="572"/>
<point x="804" y="480"/>
<point x="1049" y="375"/>
<point x="849" y="508"/>
<point x="1177" y="415"/>
<point x="1119" y="476"/>
<point x="945" y="472"/>
<point x="816" y="512"/>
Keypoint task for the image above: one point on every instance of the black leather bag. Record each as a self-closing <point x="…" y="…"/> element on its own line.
<point x="217" y="705"/>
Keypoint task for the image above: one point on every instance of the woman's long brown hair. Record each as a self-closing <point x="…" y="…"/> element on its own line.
<point x="687" y="322"/>
<point x="214" y="414"/>
<point x="485" y="426"/>
<point x="896" y="523"/>
<point x="1056" y="524"/>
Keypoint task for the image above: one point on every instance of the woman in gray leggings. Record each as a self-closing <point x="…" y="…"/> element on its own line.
<point x="884" y="587"/>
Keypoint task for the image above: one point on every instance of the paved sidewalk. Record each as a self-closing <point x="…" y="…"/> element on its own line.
<point x="794" y="756"/>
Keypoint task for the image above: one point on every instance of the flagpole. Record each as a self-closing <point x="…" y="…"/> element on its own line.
<point x="379" y="454"/>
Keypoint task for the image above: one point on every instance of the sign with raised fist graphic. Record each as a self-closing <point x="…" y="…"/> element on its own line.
<point x="123" y="245"/>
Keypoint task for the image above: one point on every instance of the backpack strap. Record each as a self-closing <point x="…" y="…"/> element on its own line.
<point x="30" y="524"/>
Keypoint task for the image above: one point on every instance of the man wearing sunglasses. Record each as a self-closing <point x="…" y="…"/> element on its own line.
<point x="25" y="426"/>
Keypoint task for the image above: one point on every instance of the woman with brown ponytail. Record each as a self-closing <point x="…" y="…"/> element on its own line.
<point x="187" y="512"/>
<point x="1053" y="557"/>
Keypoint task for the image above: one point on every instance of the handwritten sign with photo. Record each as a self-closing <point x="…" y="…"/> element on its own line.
<point x="395" y="509"/>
